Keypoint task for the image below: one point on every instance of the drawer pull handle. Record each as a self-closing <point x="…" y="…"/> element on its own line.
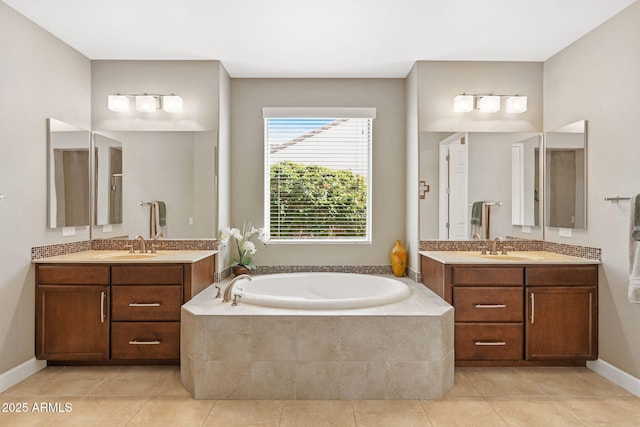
<point x="138" y="304"/>
<point x="136" y="342"/>
<point x="491" y="305"/>
<point x="103" y="296"/>
<point x="490" y="343"/>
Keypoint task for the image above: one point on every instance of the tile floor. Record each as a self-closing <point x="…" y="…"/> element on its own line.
<point x="153" y="396"/>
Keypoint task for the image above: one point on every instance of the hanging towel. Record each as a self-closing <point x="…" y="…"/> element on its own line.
<point x="634" y="251"/>
<point x="476" y="213"/>
<point x="162" y="213"/>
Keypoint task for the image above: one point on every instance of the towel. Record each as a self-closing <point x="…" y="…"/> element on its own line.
<point x="162" y="213"/>
<point x="634" y="252"/>
<point x="476" y="213"/>
<point x="635" y="217"/>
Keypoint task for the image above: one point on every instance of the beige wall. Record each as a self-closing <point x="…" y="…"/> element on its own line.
<point x="412" y="163"/>
<point x="249" y="96"/>
<point x="40" y="77"/>
<point x="596" y="79"/>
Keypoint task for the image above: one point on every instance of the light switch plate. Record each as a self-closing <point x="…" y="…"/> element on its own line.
<point x="526" y="229"/>
<point x="565" y="232"/>
<point x="68" y="231"/>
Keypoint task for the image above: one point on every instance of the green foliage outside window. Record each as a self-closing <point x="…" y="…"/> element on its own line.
<point x="310" y="201"/>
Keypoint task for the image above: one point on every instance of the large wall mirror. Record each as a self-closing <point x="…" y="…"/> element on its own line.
<point x="498" y="171"/>
<point x="68" y="175"/>
<point x="137" y="171"/>
<point x="566" y="176"/>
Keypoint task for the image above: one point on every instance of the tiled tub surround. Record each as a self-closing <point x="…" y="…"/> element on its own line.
<point x="402" y="350"/>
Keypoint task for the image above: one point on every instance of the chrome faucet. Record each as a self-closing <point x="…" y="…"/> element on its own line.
<point x="494" y="246"/>
<point x="229" y="289"/>
<point x="143" y="244"/>
<point x="159" y="235"/>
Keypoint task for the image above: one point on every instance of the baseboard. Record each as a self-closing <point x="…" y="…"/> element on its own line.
<point x="13" y="376"/>
<point x="616" y="376"/>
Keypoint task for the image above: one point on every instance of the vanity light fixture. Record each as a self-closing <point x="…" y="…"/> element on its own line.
<point x="489" y="103"/>
<point x="463" y="103"/>
<point x="119" y="103"/>
<point x="146" y="102"/>
<point x="172" y="103"/>
<point x="516" y="104"/>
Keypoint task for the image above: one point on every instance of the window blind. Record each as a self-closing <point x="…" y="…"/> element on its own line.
<point x="317" y="179"/>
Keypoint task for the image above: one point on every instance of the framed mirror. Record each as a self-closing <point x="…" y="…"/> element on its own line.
<point x="566" y="176"/>
<point x="482" y="168"/>
<point x="137" y="171"/>
<point x="68" y="187"/>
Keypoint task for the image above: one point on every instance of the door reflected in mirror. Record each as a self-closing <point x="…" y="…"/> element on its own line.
<point x="68" y="175"/>
<point x="108" y="180"/>
<point x="484" y="174"/>
<point x="525" y="182"/>
<point x="566" y="176"/>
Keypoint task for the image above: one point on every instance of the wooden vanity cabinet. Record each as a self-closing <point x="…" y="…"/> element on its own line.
<point x="488" y="312"/>
<point x="146" y="301"/>
<point x="114" y="313"/>
<point x="562" y="313"/>
<point x="518" y="315"/>
<point x="72" y="312"/>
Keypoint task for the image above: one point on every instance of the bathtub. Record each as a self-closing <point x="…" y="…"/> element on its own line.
<point x="324" y="291"/>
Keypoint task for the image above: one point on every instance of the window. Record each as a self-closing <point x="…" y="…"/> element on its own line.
<point x="318" y="174"/>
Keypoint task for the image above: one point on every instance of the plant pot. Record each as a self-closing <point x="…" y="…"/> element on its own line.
<point x="239" y="269"/>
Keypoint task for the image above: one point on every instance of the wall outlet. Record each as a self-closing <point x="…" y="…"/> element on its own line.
<point x="190" y="220"/>
<point x="68" y="231"/>
<point x="565" y="232"/>
<point x="526" y="229"/>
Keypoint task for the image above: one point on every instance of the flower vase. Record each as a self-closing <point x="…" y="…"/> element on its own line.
<point x="239" y="269"/>
<point x="398" y="259"/>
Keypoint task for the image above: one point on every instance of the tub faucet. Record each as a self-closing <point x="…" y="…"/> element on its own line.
<point x="143" y="244"/>
<point x="229" y="289"/>
<point x="494" y="246"/>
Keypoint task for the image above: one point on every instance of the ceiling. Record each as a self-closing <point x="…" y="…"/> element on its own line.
<point x="327" y="38"/>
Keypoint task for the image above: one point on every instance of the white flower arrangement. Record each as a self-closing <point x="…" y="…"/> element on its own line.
<point x="246" y="248"/>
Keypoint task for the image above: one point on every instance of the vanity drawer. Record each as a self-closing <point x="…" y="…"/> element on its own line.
<point x="151" y="274"/>
<point x="488" y="276"/>
<point x="489" y="341"/>
<point x="562" y="276"/>
<point x="157" y="302"/>
<point x="145" y="340"/>
<point x="73" y="274"/>
<point x="488" y="304"/>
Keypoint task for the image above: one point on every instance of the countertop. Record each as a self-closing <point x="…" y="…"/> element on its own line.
<point x="512" y="257"/>
<point x="124" y="257"/>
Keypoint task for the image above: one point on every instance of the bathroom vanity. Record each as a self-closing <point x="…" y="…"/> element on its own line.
<point x="110" y="307"/>
<point x="525" y="308"/>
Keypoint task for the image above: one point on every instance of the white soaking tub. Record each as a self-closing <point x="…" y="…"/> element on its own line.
<point x="324" y="291"/>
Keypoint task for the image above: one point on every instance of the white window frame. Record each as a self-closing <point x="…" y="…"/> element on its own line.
<point x="317" y="113"/>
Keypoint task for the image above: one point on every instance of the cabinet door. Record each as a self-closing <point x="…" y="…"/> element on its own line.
<point x="561" y="323"/>
<point x="72" y="322"/>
